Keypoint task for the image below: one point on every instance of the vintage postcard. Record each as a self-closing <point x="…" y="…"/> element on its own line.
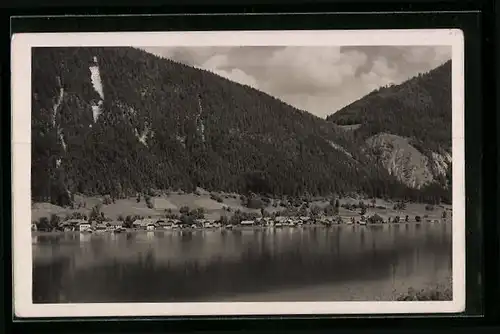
<point x="238" y="173"/>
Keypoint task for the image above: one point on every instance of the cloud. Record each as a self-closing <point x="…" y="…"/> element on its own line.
<point x="314" y="70"/>
<point x="426" y="55"/>
<point x="219" y="64"/>
<point x="320" y="80"/>
<point x="381" y="74"/>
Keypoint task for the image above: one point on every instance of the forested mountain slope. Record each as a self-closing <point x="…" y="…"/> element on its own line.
<point x="119" y="121"/>
<point x="407" y="127"/>
<point x="419" y="108"/>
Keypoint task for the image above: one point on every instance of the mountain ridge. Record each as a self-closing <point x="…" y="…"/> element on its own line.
<point x="160" y="124"/>
<point x="415" y="117"/>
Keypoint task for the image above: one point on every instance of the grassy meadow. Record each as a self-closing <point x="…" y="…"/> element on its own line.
<point x="217" y="204"/>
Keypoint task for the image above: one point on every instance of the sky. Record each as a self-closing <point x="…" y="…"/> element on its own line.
<point x="320" y="80"/>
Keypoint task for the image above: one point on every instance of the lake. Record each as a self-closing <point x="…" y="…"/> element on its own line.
<point x="338" y="263"/>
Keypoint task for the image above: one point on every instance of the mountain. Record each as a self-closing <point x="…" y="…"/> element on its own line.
<point x="119" y="121"/>
<point x="407" y="128"/>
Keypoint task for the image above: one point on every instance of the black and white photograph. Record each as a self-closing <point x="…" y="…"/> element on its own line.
<point x="238" y="173"/>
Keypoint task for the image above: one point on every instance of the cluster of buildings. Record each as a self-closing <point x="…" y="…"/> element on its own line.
<point x="83" y="225"/>
<point x="151" y="224"/>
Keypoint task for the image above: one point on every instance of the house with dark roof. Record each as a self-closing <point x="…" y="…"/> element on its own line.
<point x="164" y="224"/>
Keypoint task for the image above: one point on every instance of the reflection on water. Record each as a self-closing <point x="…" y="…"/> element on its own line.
<point x="256" y="265"/>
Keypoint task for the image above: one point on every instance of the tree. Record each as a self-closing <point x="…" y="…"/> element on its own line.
<point x="329" y="210"/>
<point x="336" y="209"/>
<point x="315" y="210"/>
<point x="374" y="201"/>
<point x="54" y="221"/>
<point x="107" y="200"/>
<point x="95" y="212"/>
<point x="198" y="213"/>
<point x="128" y="222"/>
<point x="216" y="198"/>
<point x="235" y="218"/>
<point x="375" y="219"/>
<point x="224" y="220"/>
<point x="184" y="210"/>
<point x="303" y="211"/>
<point x="444" y="214"/>
<point x="264" y="213"/>
<point x="149" y="202"/>
<point x="186" y="219"/>
<point x="363" y="211"/>
<point x="400" y="206"/>
<point x="44" y="224"/>
<point x="255" y="203"/>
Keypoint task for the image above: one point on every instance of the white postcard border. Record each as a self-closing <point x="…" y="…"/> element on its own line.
<point x="21" y="167"/>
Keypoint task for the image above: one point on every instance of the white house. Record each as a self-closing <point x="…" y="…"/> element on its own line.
<point x="305" y="219"/>
<point x="72" y="224"/>
<point x="116" y="224"/>
<point x="137" y="223"/>
<point x="280" y="221"/>
<point x="85" y="227"/>
<point x="148" y="224"/>
<point x="207" y="224"/>
<point x="247" y="223"/>
<point x="101" y="227"/>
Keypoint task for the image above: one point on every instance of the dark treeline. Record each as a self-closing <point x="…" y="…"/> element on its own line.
<point x="199" y="130"/>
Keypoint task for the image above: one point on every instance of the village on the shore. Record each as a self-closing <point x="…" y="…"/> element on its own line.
<point x="152" y="224"/>
<point x="209" y="210"/>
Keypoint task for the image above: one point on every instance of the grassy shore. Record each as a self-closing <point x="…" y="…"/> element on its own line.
<point x="439" y="292"/>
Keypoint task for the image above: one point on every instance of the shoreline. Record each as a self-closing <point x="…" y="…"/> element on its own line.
<point x="238" y="228"/>
<point x="356" y="291"/>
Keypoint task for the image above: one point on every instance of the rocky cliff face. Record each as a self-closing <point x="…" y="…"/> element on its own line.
<point x="407" y="163"/>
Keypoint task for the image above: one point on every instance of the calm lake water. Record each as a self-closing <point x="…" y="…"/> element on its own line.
<point x="290" y="264"/>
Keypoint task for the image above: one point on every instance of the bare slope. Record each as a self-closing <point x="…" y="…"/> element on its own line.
<point x="407" y="163"/>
